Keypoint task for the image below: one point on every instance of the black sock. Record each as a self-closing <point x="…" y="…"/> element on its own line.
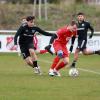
<point x="35" y="64"/>
<point x="97" y="52"/>
<point x="73" y="64"/>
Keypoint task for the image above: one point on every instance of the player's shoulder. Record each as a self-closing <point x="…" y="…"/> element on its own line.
<point x="24" y="26"/>
<point x="35" y="27"/>
<point x="87" y="22"/>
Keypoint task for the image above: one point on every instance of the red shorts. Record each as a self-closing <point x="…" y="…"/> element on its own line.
<point x="58" y="46"/>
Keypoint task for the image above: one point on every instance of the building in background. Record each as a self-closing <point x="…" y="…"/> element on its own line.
<point x="97" y="2"/>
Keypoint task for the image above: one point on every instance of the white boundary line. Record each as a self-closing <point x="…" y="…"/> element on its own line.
<point x="88" y="70"/>
<point x="85" y="70"/>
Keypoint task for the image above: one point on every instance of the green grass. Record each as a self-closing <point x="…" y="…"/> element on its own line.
<point x="18" y="82"/>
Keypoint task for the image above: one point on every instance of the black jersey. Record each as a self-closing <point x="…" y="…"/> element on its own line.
<point x="26" y="34"/>
<point x="83" y="29"/>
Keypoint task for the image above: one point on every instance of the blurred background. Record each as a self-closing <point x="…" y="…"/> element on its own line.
<point x="17" y="80"/>
<point x="50" y="14"/>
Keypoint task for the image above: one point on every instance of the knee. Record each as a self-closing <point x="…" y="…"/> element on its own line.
<point x="60" y="54"/>
<point x="66" y="61"/>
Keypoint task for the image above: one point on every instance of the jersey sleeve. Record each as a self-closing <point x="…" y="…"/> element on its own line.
<point x="75" y="35"/>
<point x="43" y="32"/>
<point x="91" y="28"/>
<point x="19" y="31"/>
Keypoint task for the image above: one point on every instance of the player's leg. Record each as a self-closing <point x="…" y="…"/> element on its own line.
<point x="34" y="60"/>
<point x="87" y="52"/>
<point x="41" y="51"/>
<point x="61" y="65"/>
<point x="55" y="62"/>
<point x="64" y="59"/>
<point x="84" y="49"/>
<point x="27" y="58"/>
<point x="26" y="55"/>
<point x="57" y="49"/>
<point x="78" y="49"/>
<point x="28" y="61"/>
<point x="90" y="52"/>
<point x="73" y="65"/>
<point x="64" y="56"/>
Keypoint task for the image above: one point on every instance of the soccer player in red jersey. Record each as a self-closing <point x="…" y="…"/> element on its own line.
<point x="60" y="41"/>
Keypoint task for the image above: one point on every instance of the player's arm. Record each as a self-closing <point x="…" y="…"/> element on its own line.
<point x="91" y="29"/>
<point x="43" y="32"/>
<point x="19" y="31"/>
<point x="72" y="43"/>
<point x="53" y="38"/>
<point x="50" y="43"/>
<point x="73" y="40"/>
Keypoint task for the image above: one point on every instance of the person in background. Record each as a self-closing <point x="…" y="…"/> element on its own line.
<point x="83" y="27"/>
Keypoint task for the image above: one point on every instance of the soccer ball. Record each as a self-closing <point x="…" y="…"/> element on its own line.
<point x="73" y="72"/>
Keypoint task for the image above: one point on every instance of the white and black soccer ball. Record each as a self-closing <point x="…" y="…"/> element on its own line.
<point x="73" y="72"/>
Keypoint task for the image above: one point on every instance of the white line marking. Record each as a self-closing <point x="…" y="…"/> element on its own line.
<point x="88" y="70"/>
<point x="85" y="70"/>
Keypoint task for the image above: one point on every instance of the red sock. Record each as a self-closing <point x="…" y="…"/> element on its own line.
<point x="55" y="62"/>
<point x="43" y="51"/>
<point x="60" y="65"/>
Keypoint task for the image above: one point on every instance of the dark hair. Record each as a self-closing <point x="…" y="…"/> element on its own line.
<point x="28" y="18"/>
<point x="80" y="13"/>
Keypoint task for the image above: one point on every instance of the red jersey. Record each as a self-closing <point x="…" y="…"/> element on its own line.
<point x="64" y="35"/>
<point x="35" y="41"/>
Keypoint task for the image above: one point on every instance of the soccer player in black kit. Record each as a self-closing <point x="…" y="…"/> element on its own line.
<point x="26" y="33"/>
<point x="83" y="27"/>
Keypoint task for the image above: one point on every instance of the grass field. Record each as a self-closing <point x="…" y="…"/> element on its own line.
<point x="18" y="82"/>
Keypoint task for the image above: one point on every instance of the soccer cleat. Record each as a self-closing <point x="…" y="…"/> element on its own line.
<point x="51" y="72"/>
<point x="56" y="73"/>
<point x="37" y="70"/>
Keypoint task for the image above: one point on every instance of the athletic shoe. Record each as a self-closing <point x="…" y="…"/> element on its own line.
<point x="56" y="73"/>
<point x="51" y="72"/>
<point x="37" y="70"/>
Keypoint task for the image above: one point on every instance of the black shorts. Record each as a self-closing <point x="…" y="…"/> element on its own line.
<point x="82" y="44"/>
<point x="25" y="49"/>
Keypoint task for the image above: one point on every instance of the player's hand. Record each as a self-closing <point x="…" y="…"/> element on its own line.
<point x="71" y="48"/>
<point x="48" y="49"/>
<point x="90" y="36"/>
